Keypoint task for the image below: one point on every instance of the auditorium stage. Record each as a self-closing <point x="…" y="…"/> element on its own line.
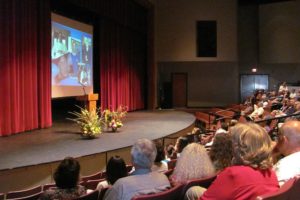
<point x="62" y="139"/>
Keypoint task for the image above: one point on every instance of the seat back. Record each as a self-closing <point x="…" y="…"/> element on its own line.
<point x="203" y="182"/>
<point x="92" y="184"/>
<point x="172" y="164"/>
<point x="289" y="191"/>
<point x="30" y="197"/>
<point x="90" y="196"/>
<point x="1" y="196"/>
<point x="170" y="194"/>
<point x="23" y="193"/>
<point x="129" y="168"/>
<point x="102" y="193"/>
<point x="169" y="172"/>
<point x="96" y="176"/>
<point x="48" y="186"/>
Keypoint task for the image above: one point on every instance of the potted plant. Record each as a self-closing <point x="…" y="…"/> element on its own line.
<point x="113" y="118"/>
<point x="90" y="122"/>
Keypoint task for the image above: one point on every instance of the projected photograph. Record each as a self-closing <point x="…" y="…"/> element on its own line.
<point x="71" y="55"/>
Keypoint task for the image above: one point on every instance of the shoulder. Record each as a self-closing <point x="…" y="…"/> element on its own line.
<point x="238" y="171"/>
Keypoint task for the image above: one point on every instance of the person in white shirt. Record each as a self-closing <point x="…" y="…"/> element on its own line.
<point x="283" y="88"/>
<point x="289" y="146"/>
<point x="258" y="111"/>
<point x="293" y="94"/>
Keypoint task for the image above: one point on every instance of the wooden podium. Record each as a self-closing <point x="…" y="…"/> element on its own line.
<point x="90" y="101"/>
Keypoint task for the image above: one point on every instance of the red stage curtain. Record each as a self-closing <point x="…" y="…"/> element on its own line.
<point x="25" y="82"/>
<point x="122" y="67"/>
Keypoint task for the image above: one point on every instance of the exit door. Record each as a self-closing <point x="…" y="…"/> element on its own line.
<point x="250" y="83"/>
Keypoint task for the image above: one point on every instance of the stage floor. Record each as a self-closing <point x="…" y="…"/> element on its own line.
<point x="62" y="139"/>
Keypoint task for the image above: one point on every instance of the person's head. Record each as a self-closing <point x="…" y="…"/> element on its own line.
<point x="170" y="150"/>
<point x="193" y="162"/>
<point x="251" y="146"/>
<point x="284" y="83"/>
<point x="224" y="126"/>
<point x="260" y="104"/>
<point x="289" y="137"/>
<point x="160" y="152"/>
<point x="221" y="151"/>
<point x="181" y="143"/>
<point x="115" y="169"/>
<point x="67" y="173"/>
<point x="143" y="154"/>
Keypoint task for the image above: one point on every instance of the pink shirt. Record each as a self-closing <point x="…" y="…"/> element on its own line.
<point x="241" y="183"/>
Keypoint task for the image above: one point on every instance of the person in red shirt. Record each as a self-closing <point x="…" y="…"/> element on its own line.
<point x="251" y="172"/>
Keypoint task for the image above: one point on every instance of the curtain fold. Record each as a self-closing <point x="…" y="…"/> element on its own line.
<point x="122" y="67"/>
<point x="25" y="101"/>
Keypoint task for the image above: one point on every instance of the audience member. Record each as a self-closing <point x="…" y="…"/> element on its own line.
<point x="160" y="164"/>
<point x="293" y="94"/>
<point x="221" y="152"/>
<point x="170" y="152"/>
<point x="194" y="162"/>
<point x="115" y="169"/>
<point x="66" y="179"/>
<point x="289" y="146"/>
<point x="223" y="128"/>
<point x="180" y="144"/>
<point x="251" y="174"/>
<point x="142" y="180"/>
<point x="283" y="88"/>
<point x="258" y="112"/>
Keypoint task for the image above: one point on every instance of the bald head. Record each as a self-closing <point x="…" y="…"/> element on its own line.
<point x="291" y="131"/>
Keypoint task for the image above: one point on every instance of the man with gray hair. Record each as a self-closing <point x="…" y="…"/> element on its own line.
<point x="142" y="180"/>
<point x="289" y="146"/>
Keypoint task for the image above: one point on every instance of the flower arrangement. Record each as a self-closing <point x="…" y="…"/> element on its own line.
<point x="113" y="119"/>
<point x="89" y="122"/>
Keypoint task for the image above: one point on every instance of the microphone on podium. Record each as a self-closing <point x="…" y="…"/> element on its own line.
<point x="83" y="88"/>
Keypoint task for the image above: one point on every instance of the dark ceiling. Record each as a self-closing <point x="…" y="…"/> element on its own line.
<point x="257" y="2"/>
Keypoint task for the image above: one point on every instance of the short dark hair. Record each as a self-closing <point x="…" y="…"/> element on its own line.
<point x="67" y="173"/>
<point x="115" y="169"/>
<point x="182" y="142"/>
<point x="160" y="152"/>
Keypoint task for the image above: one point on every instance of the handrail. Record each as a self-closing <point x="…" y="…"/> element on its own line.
<point x="281" y="117"/>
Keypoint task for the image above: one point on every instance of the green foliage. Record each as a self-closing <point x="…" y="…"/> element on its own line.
<point x="90" y="122"/>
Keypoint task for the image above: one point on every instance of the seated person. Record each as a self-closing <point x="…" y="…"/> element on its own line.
<point x="142" y="180"/>
<point x="66" y="178"/>
<point x="193" y="163"/>
<point x="180" y="144"/>
<point x="258" y="112"/>
<point x="289" y="146"/>
<point x="251" y="172"/>
<point x="115" y="169"/>
<point x="170" y="152"/>
<point x="221" y="152"/>
<point x="160" y="165"/>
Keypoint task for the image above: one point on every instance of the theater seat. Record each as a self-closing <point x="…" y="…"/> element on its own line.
<point x="98" y="175"/>
<point x="30" y="197"/>
<point x="23" y="193"/>
<point x="92" y="184"/>
<point x="90" y="196"/>
<point x="288" y="191"/>
<point x="171" y="194"/>
<point x="203" y="182"/>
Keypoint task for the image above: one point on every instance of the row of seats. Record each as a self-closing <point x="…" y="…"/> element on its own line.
<point x="89" y="182"/>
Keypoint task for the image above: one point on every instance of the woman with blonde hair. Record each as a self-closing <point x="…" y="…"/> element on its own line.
<point x="251" y="173"/>
<point x="193" y="163"/>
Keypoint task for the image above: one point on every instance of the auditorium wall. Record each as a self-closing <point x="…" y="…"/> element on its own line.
<point x="277" y="41"/>
<point x="175" y="49"/>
